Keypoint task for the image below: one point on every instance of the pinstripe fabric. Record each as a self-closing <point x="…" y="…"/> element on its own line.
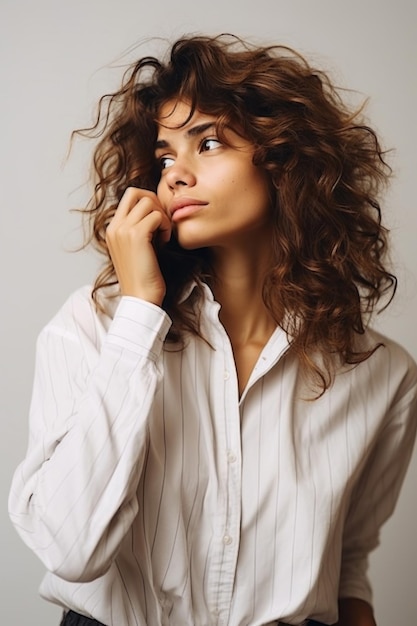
<point x="154" y="495"/>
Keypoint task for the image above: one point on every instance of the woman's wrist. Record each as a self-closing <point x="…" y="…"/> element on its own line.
<point x="355" y="612"/>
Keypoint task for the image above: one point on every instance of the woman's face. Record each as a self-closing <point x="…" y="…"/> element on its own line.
<point x="213" y="192"/>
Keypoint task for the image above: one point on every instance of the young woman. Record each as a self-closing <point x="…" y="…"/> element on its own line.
<point x="216" y="434"/>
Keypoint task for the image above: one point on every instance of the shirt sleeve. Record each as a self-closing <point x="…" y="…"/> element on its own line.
<point x="376" y="493"/>
<point x="73" y="498"/>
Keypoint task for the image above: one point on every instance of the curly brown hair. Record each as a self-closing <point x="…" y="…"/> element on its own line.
<point x="326" y="168"/>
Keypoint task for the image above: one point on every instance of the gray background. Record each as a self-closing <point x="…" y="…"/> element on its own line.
<point x="57" y="58"/>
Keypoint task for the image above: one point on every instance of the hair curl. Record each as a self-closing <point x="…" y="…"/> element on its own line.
<point x="325" y="164"/>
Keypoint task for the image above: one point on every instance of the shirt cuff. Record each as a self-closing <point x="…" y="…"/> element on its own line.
<point x="355" y="584"/>
<point x="139" y="326"/>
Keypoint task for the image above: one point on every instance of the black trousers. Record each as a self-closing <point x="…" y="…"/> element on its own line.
<point x="75" y="619"/>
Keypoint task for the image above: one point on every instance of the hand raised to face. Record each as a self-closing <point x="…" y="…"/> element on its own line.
<point x="138" y="223"/>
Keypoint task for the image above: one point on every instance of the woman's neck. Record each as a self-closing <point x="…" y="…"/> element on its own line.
<point x="238" y="288"/>
<point x="248" y="323"/>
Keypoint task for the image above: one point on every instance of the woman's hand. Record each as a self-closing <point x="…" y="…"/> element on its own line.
<point x="139" y="224"/>
<point x="355" y="612"/>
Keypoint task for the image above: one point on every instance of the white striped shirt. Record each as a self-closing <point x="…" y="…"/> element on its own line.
<point x="155" y="496"/>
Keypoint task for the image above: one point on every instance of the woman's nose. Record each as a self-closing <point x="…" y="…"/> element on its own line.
<point x="180" y="174"/>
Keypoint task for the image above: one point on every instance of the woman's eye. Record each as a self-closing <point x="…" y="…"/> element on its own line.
<point x="209" y="144"/>
<point x="165" y="162"/>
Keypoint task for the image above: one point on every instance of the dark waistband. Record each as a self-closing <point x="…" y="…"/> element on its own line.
<point x="309" y="622"/>
<point x="71" y="618"/>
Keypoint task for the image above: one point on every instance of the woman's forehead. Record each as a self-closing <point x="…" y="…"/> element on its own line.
<point x="176" y="113"/>
<point x="178" y="117"/>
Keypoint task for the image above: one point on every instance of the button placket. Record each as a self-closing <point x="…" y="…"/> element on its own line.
<point x="231" y="457"/>
<point x="229" y="536"/>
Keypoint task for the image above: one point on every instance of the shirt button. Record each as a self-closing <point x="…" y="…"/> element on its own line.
<point x="227" y="540"/>
<point x="226" y="375"/>
<point x="231" y="457"/>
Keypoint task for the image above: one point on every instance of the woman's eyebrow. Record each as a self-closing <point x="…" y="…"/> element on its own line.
<point x="194" y="131"/>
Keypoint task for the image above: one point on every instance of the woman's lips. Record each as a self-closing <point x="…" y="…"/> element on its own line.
<point x="183" y="207"/>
